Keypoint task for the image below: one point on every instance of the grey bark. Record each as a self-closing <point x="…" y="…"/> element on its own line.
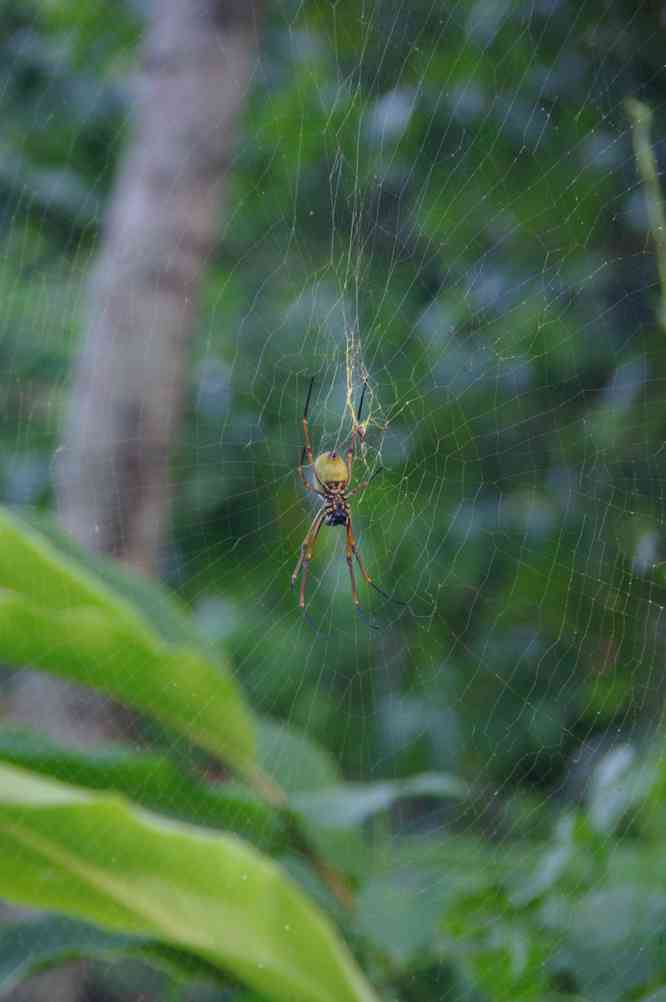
<point x="113" y="483"/>
<point x="113" y="471"/>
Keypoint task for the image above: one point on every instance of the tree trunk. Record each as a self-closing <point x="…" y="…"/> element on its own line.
<point x="113" y="483"/>
<point x="113" y="475"/>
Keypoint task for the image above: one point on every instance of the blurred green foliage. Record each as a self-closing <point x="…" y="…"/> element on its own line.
<point x="454" y="186"/>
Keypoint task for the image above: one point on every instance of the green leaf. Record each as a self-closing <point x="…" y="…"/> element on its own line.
<point x="95" y="857"/>
<point x="619" y="783"/>
<point x="400" y="913"/>
<point x="611" y="940"/>
<point x="350" y="804"/>
<point x="29" y="947"/>
<point x="332" y="816"/>
<point x="292" y="759"/>
<point x="159" y="608"/>
<point x="552" y="863"/>
<point x="56" y="617"/>
<point x="149" y="779"/>
<point x="32" y="946"/>
<point x="299" y="764"/>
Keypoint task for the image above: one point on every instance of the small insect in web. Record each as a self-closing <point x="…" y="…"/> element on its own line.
<point x="333" y="476"/>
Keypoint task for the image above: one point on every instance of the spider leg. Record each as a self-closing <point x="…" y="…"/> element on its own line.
<point x="306" y="433"/>
<point x="351" y="549"/>
<point x="307" y="553"/>
<point x="364" y="483"/>
<point x="366" y="577"/>
<point x="307" y="448"/>
<point x="306" y="483"/>
<point x="307" y="542"/>
<point x="350" y="565"/>
<point x="360" y="406"/>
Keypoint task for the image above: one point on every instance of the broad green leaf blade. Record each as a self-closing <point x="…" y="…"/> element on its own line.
<point x="95" y="857"/>
<point x="56" y="617"/>
<point x="150" y="779"/>
<point x="158" y="607"/>
<point x="349" y="804"/>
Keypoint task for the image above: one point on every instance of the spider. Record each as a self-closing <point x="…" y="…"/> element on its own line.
<point x="333" y="476"/>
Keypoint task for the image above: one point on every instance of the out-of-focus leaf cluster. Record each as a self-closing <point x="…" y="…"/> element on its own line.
<point x="166" y="853"/>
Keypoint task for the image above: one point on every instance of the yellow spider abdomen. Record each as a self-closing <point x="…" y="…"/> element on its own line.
<point x="331" y="469"/>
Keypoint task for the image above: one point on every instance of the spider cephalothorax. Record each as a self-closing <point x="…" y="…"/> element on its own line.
<point x="332" y="475"/>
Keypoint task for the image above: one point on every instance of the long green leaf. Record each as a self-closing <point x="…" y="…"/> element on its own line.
<point x="96" y="858"/>
<point x="55" y="616"/>
<point x="150" y="779"/>
<point x="160" y="608"/>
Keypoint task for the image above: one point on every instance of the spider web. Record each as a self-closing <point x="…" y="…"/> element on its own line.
<point x="441" y="202"/>
<point x="491" y="325"/>
<point x="490" y="273"/>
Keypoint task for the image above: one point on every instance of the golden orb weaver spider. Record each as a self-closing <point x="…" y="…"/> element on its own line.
<point x="333" y="478"/>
